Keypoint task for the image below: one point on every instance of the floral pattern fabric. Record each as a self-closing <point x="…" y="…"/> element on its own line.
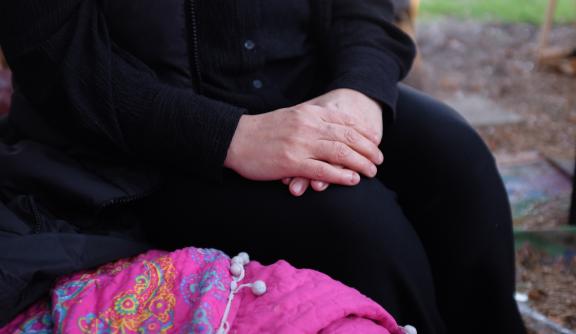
<point x="147" y="294"/>
<point x="187" y="291"/>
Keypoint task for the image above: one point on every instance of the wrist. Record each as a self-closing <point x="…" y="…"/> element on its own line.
<point x="237" y="144"/>
<point x="356" y="94"/>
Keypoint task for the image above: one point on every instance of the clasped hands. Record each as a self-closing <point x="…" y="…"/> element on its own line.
<point x="331" y="139"/>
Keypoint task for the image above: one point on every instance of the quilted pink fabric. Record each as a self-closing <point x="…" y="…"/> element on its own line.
<point x="187" y="291"/>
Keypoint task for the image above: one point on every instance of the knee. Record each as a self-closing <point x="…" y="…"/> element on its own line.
<point x="364" y="214"/>
<point x="440" y="134"/>
<point x="458" y="145"/>
<point x="368" y="242"/>
<point x="366" y="217"/>
<point x="365" y="202"/>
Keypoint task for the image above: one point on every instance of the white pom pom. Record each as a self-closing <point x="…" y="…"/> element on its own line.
<point x="236" y="269"/>
<point x="245" y="257"/>
<point x="237" y="259"/>
<point x="410" y="329"/>
<point x="259" y="288"/>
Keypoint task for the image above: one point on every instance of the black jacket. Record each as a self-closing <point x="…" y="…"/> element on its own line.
<point x="114" y="96"/>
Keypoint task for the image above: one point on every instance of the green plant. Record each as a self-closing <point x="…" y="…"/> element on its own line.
<point x="531" y="11"/>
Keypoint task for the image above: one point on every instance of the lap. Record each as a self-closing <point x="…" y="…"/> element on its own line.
<point x="265" y="220"/>
<point x="239" y="204"/>
<point x="357" y="235"/>
<point x="432" y="133"/>
<point x="430" y="150"/>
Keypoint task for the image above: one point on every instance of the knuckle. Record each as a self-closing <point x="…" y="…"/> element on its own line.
<point x="319" y="172"/>
<point x="329" y="128"/>
<point x="348" y="119"/>
<point x="349" y="136"/>
<point x="341" y="151"/>
<point x="304" y="123"/>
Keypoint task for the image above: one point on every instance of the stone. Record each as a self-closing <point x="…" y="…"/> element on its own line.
<point x="481" y="111"/>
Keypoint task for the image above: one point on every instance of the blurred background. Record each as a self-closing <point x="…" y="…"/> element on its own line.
<point x="509" y="67"/>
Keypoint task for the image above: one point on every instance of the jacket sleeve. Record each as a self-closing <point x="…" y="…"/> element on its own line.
<point x="366" y="51"/>
<point x="65" y="63"/>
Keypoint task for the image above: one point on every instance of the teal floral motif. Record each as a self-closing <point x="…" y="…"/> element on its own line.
<point x="206" y="255"/>
<point x="127" y="305"/>
<point x="40" y="323"/>
<point x="200" y="322"/>
<point x="66" y="294"/>
<point x="194" y="287"/>
<point x="91" y="324"/>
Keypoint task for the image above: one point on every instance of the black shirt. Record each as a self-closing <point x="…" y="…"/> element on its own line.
<point x="270" y="60"/>
<point x="249" y="56"/>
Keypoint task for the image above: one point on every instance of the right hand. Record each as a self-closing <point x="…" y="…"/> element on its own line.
<point x="302" y="141"/>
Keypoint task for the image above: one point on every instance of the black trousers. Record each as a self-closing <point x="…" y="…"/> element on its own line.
<point x="430" y="238"/>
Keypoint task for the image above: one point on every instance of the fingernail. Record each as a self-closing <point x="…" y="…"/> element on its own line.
<point x="355" y="178"/>
<point x="297" y="187"/>
<point x="380" y="157"/>
<point x="322" y="185"/>
<point x="373" y="170"/>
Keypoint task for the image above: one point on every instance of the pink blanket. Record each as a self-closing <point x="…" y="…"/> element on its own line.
<point x="203" y="291"/>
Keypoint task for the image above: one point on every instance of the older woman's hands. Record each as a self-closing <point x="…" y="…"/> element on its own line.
<point x="363" y="114"/>
<point x="314" y="140"/>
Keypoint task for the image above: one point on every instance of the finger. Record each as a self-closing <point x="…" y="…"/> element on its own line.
<point x="319" y="185"/>
<point x="354" y="140"/>
<point x="322" y="171"/>
<point x="336" y="116"/>
<point x="298" y="186"/>
<point x="286" y="180"/>
<point x="337" y="153"/>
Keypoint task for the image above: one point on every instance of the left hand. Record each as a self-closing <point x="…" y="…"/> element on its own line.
<point x="362" y="113"/>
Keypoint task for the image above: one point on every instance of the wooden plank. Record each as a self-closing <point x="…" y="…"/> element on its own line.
<point x="573" y="206"/>
<point x="546" y="27"/>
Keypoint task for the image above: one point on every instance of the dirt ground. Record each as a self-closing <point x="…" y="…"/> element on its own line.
<point x="497" y="62"/>
<point x="549" y="282"/>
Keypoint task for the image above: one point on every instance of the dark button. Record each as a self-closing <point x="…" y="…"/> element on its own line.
<point x="249" y="44"/>
<point x="257" y="84"/>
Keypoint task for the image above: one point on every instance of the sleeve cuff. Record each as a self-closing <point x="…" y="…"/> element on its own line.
<point x="202" y="140"/>
<point x="371" y="73"/>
